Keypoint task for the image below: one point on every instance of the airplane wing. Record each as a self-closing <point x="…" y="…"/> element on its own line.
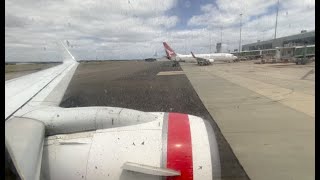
<point x="47" y="86"/>
<point x="45" y="141"/>
<point x="202" y="61"/>
<point x="24" y="137"/>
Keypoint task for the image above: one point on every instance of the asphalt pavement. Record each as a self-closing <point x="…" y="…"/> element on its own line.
<point x="137" y="85"/>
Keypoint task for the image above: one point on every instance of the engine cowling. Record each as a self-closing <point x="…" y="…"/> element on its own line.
<point x="211" y="60"/>
<point x="180" y="142"/>
<point x="71" y="120"/>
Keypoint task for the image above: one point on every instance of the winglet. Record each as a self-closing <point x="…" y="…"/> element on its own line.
<point x="151" y="170"/>
<point x="193" y="54"/>
<point x="67" y="56"/>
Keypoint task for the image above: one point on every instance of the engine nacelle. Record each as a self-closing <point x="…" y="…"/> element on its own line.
<point x="177" y="142"/>
<point x="99" y="143"/>
<point x="70" y="120"/>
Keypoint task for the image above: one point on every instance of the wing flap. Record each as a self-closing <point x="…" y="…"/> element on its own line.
<point x="24" y="140"/>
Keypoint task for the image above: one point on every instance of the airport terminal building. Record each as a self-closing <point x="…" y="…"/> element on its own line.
<point x="304" y="38"/>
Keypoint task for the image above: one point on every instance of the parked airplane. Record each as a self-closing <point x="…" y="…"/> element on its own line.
<point x="45" y="141"/>
<point x="188" y="58"/>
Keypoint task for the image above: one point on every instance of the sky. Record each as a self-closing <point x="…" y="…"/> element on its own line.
<point x="135" y="29"/>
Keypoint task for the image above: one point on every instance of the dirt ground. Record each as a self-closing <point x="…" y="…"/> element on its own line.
<point x="16" y="70"/>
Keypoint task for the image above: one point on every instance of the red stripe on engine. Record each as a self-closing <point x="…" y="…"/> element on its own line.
<point x="179" y="147"/>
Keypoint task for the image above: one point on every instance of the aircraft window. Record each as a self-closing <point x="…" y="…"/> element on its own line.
<point x="112" y="66"/>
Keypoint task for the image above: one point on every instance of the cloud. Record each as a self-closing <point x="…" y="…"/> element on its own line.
<point x="226" y="13"/>
<point x="12" y="21"/>
<point x="258" y="19"/>
<point x="163" y="21"/>
<point x="89" y="25"/>
<point x="110" y="29"/>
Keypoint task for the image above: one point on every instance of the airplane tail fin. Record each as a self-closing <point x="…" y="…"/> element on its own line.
<point x="169" y="51"/>
<point x="193" y="55"/>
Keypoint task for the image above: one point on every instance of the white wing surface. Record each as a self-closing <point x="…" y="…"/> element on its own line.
<point x="51" y="82"/>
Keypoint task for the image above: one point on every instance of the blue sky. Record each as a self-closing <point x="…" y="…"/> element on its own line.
<point x="111" y="29"/>
<point x="185" y="10"/>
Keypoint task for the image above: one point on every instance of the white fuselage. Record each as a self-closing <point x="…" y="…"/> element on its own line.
<point x="214" y="56"/>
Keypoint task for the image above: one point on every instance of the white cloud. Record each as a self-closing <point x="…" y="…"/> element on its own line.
<point x="258" y="19"/>
<point x="88" y="25"/>
<point x="163" y="21"/>
<point x="136" y="28"/>
<point x="226" y="13"/>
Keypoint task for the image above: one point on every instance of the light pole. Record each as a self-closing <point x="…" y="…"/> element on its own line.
<point x="240" y="33"/>
<point x="275" y="29"/>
